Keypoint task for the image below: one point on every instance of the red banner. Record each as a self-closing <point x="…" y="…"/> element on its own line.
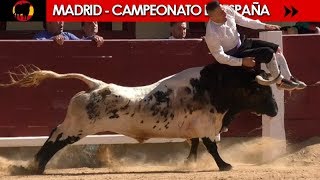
<point x="186" y="10"/>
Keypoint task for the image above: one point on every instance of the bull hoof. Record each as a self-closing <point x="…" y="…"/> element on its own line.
<point x="190" y="161"/>
<point x="38" y="172"/>
<point x="225" y="167"/>
<point x="35" y="169"/>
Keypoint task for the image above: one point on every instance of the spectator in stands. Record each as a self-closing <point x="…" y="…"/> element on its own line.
<point x="54" y="31"/>
<point x="307" y="28"/>
<point x="302" y="28"/>
<point x="90" y="30"/>
<point x="178" y="30"/>
<point x="289" y="30"/>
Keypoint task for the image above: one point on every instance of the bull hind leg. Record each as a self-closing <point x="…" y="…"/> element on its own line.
<point x="57" y="140"/>
<point x="213" y="150"/>
<point x="73" y="128"/>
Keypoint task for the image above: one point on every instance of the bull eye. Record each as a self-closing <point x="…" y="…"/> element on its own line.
<point x="258" y="89"/>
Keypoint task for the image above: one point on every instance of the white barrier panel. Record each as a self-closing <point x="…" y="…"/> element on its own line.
<point x="92" y="139"/>
<point x="273" y="128"/>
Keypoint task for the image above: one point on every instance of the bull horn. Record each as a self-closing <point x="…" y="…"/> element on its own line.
<point x="265" y="82"/>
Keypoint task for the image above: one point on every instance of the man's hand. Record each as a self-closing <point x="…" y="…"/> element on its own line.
<point x="98" y="39"/>
<point x="248" y="62"/>
<point x="272" y="27"/>
<point x="59" y="39"/>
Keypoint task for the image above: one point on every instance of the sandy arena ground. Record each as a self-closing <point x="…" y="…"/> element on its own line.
<point x="166" y="161"/>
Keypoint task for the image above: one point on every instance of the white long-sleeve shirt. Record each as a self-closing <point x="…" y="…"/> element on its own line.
<point x="221" y="38"/>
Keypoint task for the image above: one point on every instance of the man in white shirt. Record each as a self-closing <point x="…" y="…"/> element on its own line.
<point x="178" y="30"/>
<point x="224" y="43"/>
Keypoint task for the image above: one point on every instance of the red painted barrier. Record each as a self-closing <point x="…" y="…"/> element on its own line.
<point x="302" y="118"/>
<point x="35" y="111"/>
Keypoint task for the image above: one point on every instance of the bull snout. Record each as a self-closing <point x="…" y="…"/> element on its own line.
<point x="273" y="113"/>
<point x="272" y="109"/>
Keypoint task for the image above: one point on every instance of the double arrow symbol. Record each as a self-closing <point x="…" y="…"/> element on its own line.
<point x="288" y="11"/>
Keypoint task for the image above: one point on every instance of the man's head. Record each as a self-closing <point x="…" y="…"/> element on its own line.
<point x="216" y="12"/>
<point x="178" y="29"/>
<point x="89" y="28"/>
<point x="54" y="28"/>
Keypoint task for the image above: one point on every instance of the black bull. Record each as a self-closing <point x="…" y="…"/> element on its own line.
<point x="229" y="90"/>
<point x="234" y="91"/>
<point x="23" y="9"/>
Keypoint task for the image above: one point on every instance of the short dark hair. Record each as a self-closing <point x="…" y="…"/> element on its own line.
<point x="82" y="23"/>
<point x="212" y="5"/>
<point x="174" y="23"/>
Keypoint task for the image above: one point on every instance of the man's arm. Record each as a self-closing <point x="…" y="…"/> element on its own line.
<point x="253" y="24"/>
<point x="72" y="36"/>
<point x="40" y="36"/>
<point x="247" y="22"/>
<point x="217" y="51"/>
<point x="59" y="39"/>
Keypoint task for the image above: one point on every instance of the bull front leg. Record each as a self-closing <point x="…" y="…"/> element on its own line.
<point x="192" y="157"/>
<point x="193" y="150"/>
<point x="213" y="150"/>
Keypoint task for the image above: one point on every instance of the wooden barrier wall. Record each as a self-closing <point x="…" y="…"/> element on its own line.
<point x="302" y="117"/>
<point x="35" y="111"/>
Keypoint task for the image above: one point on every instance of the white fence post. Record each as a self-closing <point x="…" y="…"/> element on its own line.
<point x="273" y="128"/>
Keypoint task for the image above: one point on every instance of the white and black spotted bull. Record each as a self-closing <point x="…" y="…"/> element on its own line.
<point x="189" y="104"/>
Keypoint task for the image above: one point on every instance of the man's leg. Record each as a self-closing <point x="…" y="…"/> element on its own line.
<point x="281" y="60"/>
<point x="285" y="69"/>
<point x="273" y="67"/>
<point x="267" y="55"/>
<point x="277" y="55"/>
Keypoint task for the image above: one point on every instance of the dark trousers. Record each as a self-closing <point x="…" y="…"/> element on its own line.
<point x="262" y="50"/>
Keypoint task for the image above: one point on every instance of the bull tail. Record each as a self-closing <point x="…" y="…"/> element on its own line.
<point x="32" y="76"/>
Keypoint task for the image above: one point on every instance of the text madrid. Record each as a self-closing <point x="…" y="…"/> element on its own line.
<point x="151" y="10"/>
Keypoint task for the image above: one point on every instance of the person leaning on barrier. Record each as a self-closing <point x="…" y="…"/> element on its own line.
<point x="178" y="30"/>
<point x="289" y="30"/>
<point x="90" y="30"/>
<point x="302" y="28"/>
<point x="54" y="31"/>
